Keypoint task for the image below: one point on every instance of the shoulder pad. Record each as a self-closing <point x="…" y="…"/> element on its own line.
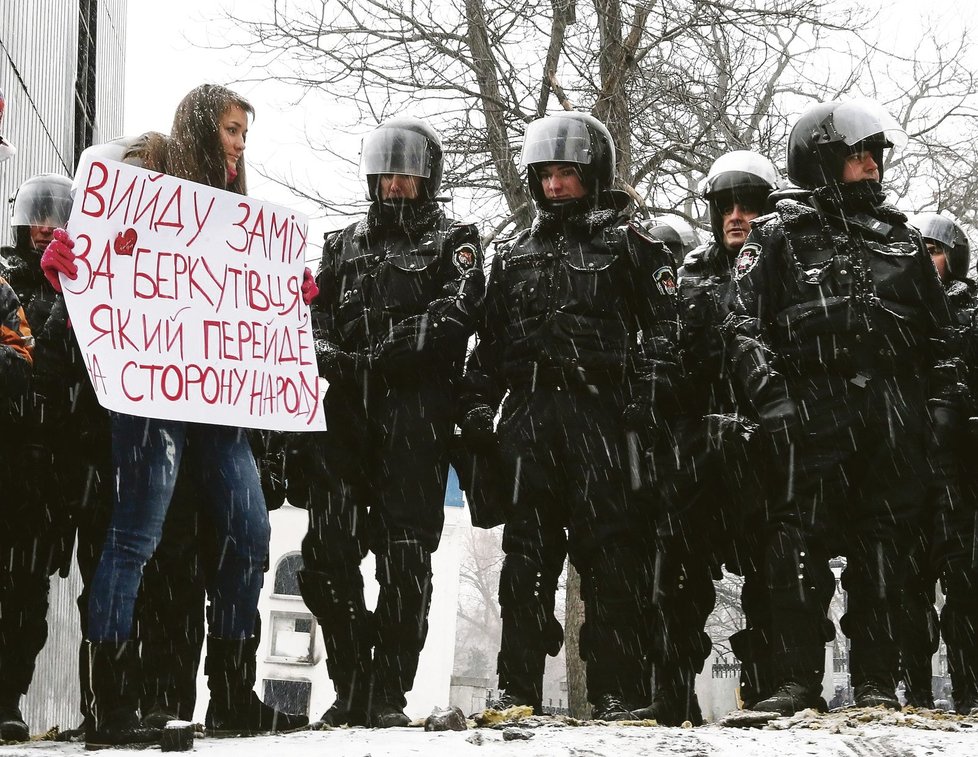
<point x="505" y="244"/>
<point x="641" y="232"/>
<point x="697" y="256"/>
<point x="766" y="218"/>
<point x="793" y="212"/>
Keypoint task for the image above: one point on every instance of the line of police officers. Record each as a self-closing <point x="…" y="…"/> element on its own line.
<point x="802" y="389"/>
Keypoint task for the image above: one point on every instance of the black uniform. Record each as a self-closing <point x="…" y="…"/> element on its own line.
<point x="568" y="300"/>
<point x="51" y="440"/>
<point x="712" y="482"/>
<point x="399" y="298"/>
<point x="839" y="315"/>
<point x="947" y="549"/>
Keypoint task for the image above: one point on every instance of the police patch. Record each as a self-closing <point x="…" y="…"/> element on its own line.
<point x="746" y="259"/>
<point x="464" y="258"/>
<point x="665" y="280"/>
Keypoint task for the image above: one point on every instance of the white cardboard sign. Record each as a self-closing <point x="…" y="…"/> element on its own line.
<point x="187" y="304"/>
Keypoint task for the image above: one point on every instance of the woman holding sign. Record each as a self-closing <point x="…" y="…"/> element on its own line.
<point x="206" y="145"/>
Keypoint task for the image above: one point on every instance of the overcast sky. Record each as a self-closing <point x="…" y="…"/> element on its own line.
<point x="165" y="60"/>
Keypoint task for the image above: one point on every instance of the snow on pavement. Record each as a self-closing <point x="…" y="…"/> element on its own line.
<point x="859" y="733"/>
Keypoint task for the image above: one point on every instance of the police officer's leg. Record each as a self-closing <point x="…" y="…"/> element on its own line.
<point x="406" y="524"/>
<point x="170" y="610"/>
<point x="331" y="583"/>
<point x="685" y="560"/>
<point x="800" y="587"/>
<point x="24" y="584"/>
<point x="606" y="547"/>
<point x="534" y="559"/>
<point x="885" y="517"/>
<point x="918" y="628"/>
<point x="959" y="624"/>
<point x="755" y="479"/>
<point x="534" y="544"/>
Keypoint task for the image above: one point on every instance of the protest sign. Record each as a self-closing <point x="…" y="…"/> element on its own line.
<point x="187" y="304"/>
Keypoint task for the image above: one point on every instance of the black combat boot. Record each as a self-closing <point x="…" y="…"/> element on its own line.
<point x="875" y="694"/>
<point x="674" y="701"/>
<point x="336" y="598"/>
<point x="791" y="697"/>
<point x="114" y="721"/>
<point x="234" y="706"/>
<point x="610" y="707"/>
<point x="12" y="725"/>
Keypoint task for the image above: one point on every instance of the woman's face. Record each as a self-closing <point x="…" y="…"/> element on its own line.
<point x="233" y="128"/>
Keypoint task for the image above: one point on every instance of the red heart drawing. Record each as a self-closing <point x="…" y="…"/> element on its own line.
<point x="125" y="242"/>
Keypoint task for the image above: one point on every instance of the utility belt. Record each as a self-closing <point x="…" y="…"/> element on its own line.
<point x="539" y="377"/>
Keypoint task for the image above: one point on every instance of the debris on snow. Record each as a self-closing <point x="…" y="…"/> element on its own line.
<point x="445" y="719"/>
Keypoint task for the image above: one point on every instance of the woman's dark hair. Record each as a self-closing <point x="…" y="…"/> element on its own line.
<point x="193" y="150"/>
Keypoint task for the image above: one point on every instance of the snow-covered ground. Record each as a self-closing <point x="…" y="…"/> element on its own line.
<point x="860" y="733"/>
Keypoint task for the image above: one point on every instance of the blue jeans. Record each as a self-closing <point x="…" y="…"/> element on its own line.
<point x="146" y="455"/>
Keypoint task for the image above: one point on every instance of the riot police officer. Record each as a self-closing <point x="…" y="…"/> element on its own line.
<point x="36" y="539"/>
<point x="838" y="314"/>
<point x="580" y="330"/>
<point x="946" y="552"/>
<point x="400" y="292"/>
<point x="704" y="466"/>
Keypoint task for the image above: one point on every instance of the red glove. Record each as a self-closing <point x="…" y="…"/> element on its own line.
<point x="309" y="288"/>
<point x="59" y="258"/>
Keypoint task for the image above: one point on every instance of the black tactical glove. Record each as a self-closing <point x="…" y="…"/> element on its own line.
<point x="337" y="365"/>
<point x="779" y="419"/>
<point x="478" y="432"/>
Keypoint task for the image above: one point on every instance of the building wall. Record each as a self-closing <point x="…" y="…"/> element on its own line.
<point x="38" y="76"/>
<point x="38" y="40"/>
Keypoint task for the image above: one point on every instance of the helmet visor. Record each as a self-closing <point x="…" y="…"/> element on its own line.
<point x="394" y="150"/>
<point x="857" y="120"/>
<point x="42" y="202"/>
<point x="556" y="140"/>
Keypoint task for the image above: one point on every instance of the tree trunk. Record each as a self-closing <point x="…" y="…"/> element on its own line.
<point x="576" y="680"/>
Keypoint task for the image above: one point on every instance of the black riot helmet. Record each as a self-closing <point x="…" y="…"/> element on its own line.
<point x="42" y="201"/>
<point x="406" y="146"/>
<point x="570" y="137"/>
<point x="675" y="234"/>
<point x="827" y="133"/>
<point x="946" y="233"/>
<point x="743" y="177"/>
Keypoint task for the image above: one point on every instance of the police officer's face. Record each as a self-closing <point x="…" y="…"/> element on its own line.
<point x="736" y="216"/>
<point x="939" y="256"/>
<point x="560" y="182"/>
<point x="398" y="186"/>
<point x="860" y="166"/>
<point x="41" y="235"/>
<point x="233" y="129"/>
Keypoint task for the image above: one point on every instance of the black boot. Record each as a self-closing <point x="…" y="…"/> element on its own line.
<point x="875" y="693"/>
<point x="12" y="725"/>
<point x="674" y="701"/>
<point x="336" y="598"/>
<point x="610" y="707"/>
<point x="110" y="667"/>
<point x="791" y="697"/>
<point x="234" y="706"/>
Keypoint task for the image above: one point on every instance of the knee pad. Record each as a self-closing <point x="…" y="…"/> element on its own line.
<point x="796" y="573"/>
<point x="332" y="595"/>
<point x="404" y="575"/>
<point x="527" y="595"/>
<point x="523" y="581"/>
